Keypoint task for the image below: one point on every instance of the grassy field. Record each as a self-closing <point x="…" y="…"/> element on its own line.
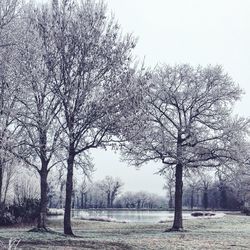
<point x="229" y="232"/>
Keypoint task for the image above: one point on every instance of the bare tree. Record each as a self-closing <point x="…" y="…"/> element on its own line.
<point x="111" y="187"/>
<point x="186" y="122"/>
<point x="8" y="80"/>
<point x="140" y="200"/>
<point x="89" y="62"/>
<point x="37" y="111"/>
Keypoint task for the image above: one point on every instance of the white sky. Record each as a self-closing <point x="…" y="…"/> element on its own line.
<point x="182" y="31"/>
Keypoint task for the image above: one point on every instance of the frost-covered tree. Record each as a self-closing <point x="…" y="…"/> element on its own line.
<point x="37" y="110"/>
<point x="111" y="187"/>
<point x="9" y="32"/>
<point x="186" y="121"/>
<point x="140" y="200"/>
<point x="89" y="61"/>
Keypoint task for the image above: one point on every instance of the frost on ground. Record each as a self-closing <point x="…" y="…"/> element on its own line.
<point x="228" y="232"/>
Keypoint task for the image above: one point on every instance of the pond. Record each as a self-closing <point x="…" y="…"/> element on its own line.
<point x="136" y="216"/>
<point x="128" y="215"/>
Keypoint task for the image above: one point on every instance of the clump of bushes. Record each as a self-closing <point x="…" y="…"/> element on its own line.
<point x="26" y="211"/>
<point x="6" y="218"/>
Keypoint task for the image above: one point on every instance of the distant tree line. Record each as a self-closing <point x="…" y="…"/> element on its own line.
<point x="106" y="193"/>
<point x="206" y="190"/>
<point x="215" y="195"/>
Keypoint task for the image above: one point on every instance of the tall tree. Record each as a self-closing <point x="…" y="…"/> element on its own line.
<point x="9" y="31"/>
<point x="90" y="61"/>
<point x="185" y="121"/>
<point x="38" y="109"/>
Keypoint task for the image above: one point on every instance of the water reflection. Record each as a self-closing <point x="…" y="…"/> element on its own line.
<point x="128" y="216"/>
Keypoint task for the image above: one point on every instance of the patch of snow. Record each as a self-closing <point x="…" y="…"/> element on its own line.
<point x="100" y="218"/>
<point x="55" y="211"/>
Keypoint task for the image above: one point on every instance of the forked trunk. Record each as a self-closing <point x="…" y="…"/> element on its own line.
<point x="43" y="198"/>
<point x="177" y="225"/>
<point x="69" y="189"/>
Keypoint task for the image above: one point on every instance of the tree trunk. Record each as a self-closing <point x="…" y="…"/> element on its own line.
<point x="177" y="225"/>
<point x="223" y="195"/>
<point x="82" y="206"/>
<point x="1" y="182"/>
<point x="170" y="201"/>
<point x="205" y="199"/>
<point x="69" y="189"/>
<point x="112" y="198"/>
<point x="77" y="202"/>
<point x="8" y="179"/>
<point x="138" y="204"/>
<point x="108" y="199"/>
<point x="197" y="200"/>
<point x="85" y="200"/>
<point x="192" y="199"/>
<point x="61" y="194"/>
<point x="43" y="197"/>
<point x="73" y="200"/>
<point x="1" y="187"/>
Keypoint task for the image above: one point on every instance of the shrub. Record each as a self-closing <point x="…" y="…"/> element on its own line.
<point x="246" y="210"/>
<point x="26" y="211"/>
<point x="7" y="219"/>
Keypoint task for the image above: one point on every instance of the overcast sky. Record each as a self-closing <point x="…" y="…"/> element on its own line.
<point x="182" y="31"/>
